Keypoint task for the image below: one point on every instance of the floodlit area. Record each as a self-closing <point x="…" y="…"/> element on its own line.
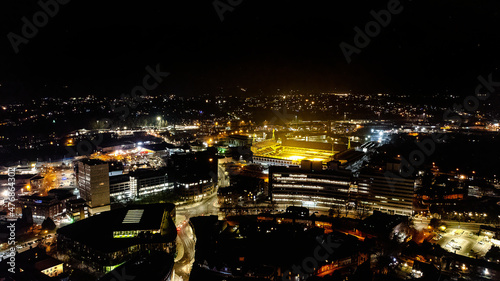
<point x="296" y="154"/>
<point x="464" y="242"/>
<point x="135" y="158"/>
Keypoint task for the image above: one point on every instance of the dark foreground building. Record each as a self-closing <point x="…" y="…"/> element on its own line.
<point x="112" y="238"/>
<point x="154" y="266"/>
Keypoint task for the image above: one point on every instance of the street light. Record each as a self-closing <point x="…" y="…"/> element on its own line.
<point x="159" y="121"/>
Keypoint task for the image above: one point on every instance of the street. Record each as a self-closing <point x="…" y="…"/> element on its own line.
<point x="206" y="207"/>
<point x="186" y="242"/>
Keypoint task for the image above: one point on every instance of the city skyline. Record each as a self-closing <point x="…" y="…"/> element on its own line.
<point x="234" y="140"/>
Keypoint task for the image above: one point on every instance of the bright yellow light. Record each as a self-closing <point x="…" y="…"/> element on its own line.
<point x="295" y="158"/>
<point x="317" y="159"/>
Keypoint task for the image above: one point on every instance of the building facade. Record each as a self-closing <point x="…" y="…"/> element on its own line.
<point x="320" y="189"/>
<point x="139" y="183"/>
<point x="314" y="189"/>
<point x="93" y="182"/>
<point x="379" y="192"/>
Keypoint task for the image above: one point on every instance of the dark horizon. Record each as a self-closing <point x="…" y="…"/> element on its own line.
<point x="103" y="49"/>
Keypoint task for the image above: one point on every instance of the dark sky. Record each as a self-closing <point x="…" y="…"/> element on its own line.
<point x="102" y="48"/>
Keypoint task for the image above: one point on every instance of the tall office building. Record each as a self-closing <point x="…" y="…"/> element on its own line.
<point x="93" y="184"/>
<point x="310" y="186"/>
<point x="385" y="193"/>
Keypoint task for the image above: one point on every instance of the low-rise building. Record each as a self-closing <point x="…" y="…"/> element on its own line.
<point x="111" y="238"/>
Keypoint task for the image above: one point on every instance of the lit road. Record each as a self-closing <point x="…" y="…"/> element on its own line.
<point x="186" y="242"/>
<point x="56" y="177"/>
<point x="206" y="207"/>
<point x="26" y="245"/>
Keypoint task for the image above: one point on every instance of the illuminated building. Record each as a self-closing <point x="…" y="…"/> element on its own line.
<point x="46" y="206"/>
<point x="239" y="140"/>
<point x="270" y="161"/>
<point x="195" y="189"/>
<point x="291" y="152"/>
<point x="119" y="186"/>
<point x="93" y="184"/>
<point x="393" y="195"/>
<point x="50" y="267"/>
<point x="107" y="240"/>
<point x="77" y="209"/>
<point x="144" y="182"/>
<point x="41" y="206"/>
<point x="139" y="183"/>
<point x="310" y="186"/>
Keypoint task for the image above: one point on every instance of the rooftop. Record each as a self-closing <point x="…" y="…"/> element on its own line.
<point x="47" y="263"/>
<point x="147" y="173"/>
<point x="119" y="179"/>
<point x="97" y="231"/>
<point x="92" y="162"/>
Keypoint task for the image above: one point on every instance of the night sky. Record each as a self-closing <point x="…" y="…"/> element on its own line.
<point x="103" y="48"/>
